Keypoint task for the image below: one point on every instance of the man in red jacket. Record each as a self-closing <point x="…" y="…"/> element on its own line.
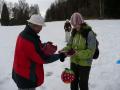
<point x="31" y="54"/>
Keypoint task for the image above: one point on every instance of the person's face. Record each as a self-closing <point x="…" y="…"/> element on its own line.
<point x="77" y="27"/>
<point x="37" y="28"/>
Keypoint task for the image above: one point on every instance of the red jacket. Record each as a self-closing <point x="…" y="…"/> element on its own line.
<point x="25" y="54"/>
<point x="29" y="59"/>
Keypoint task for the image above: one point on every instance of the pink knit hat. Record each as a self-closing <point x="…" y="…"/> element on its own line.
<point x="76" y="19"/>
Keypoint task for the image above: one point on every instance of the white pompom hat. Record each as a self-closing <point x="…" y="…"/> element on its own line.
<point x="37" y="20"/>
<point x="76" y="19"/>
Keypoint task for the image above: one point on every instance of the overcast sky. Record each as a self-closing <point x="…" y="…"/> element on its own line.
<point x="43" y="4"/>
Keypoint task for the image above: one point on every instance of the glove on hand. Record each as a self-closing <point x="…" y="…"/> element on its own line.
<point x="70" y="52"/>
<point x="62" y="57"/>
<point x="49" y="48"/>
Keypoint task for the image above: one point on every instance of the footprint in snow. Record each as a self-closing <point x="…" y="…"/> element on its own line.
<point x="48" y="73"/>
<point x="92" y="85"/>
<point x="5" y="79"/>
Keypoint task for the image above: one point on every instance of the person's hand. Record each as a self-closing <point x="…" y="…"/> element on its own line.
<point x="61" y="51"/>
<point x="67" y="53"/>
<point x="70" y="52"/>
<point x="62" y="56"/>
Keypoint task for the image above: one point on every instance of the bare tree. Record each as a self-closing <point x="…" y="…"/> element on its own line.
<point x="34" y="9"/>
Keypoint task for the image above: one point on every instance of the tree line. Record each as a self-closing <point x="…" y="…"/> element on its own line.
<point x="90" y="9"/>
<point x="17" y="13"/>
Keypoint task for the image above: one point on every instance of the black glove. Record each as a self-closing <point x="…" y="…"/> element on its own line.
<point x="62" y="57"/>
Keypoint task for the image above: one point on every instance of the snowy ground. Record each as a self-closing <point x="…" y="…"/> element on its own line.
<point x="105" y="73"/>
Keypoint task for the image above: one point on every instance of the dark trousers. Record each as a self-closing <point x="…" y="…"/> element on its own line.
<point x="81" y="77"/>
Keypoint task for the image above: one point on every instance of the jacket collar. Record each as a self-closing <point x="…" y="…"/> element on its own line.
<point x="30" y="31"/>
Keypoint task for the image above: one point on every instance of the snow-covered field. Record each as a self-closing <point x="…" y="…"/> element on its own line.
<point x="104" y="75"/>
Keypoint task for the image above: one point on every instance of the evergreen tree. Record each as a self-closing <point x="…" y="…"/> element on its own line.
<point x="62" y="9"/>
<point x="112" y="9"/>
<point x="5" y="15"/>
